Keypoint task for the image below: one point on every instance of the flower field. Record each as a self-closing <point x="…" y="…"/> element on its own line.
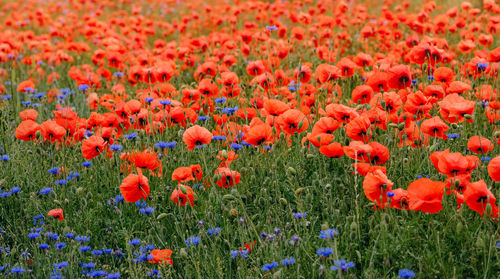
<point x="249" y="139"/>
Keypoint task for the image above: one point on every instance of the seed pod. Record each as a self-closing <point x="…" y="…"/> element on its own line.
<point x="292" y="170"/>
<point x="224" y="154"/>
<point x="283" y="201"/>
<point x="299" y="191"/>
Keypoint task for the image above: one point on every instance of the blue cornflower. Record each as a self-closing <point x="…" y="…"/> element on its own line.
<point x="192" y="240"/>
<point x="147" y="210"/>
<point x="131" y="136"/>
<point x="271" y="28"/>
<point x="5" y="158"/>
<point x="230" y="111"/>
<point x="54" y="171"/>
<point x="165" y="102"/>
<point x="107" y="251"/>
<point x="299" y="215"/>
<point x="148" y="100"/>
<point x="53" y="236"/>
<point x="97" y="273"/>
<point x="135" y="241"/>
<point x="234" y="253"/>
<point x="116" y="147"/>
<point x="236" y="146"/>
<point x="85" y="248"/>
<point x="17" y="270"/>
<point x="406" y="273"/>
<point x="328" y="234"/>
<point x="70" y="235"/>
<point x="39" y="95"/>
<point x="323" y="252"/>
<point x="269" y="267"/>
<point x="220" y="100"/>
<point x="342" y="265"/>
<point x="60" y="265"/>
<point x="288" y="261"/>
<point x="45" y="191"/>
<point x="27" y="103"/>
<point x="390" y="194"/>
<point x="82" y="87"/>
<point x="115" y="275"/>
<point x="82" y="238"/>
<point x="86" y="164"/>
<point x="162" y="145"/>
<point x="171" y="145"/>
<point x="61" y="182"/>
<point x="203" y="118"/>
<point x="88" y="133"/>
<point x="7" y="97"/>
<point x="118" y="74"/>
<point x="60" y="245"/>
<point x="15" y="190"/>
<point x="33" y="235"/>
<point x="43" y="246"/>
<point x="244" y="253"/>
<point x="96" y="252"/>
<point x="213" y="231"/>
<point x="218" y="138"/>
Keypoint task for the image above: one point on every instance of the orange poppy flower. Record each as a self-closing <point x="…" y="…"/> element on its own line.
<point x="479" y="144"/>
<point x="196" y="136"/>
<point x="375" y="185"/>
<point x="434" y="127"/>
<point x="52" y="131"/>
<point x="27" y="130"/>
<point x="332" y="150"/>
<point x="183" y="194"/>
<point x="259" y="134"/>
<point x="228" y="177"/>
<point x="28" y="114"/>
<point x="134" y="187"/>
<point x="399" y="77"/>
<point x="494" y="168"/>
<point x="56" y="213"/>
<point x="400" y="199"/>
<point x="293" y="121"/>
<point x="275" y="107"/>
<point x="161" y="256"/>
<point x="477" y="196"/>
<point x="426" y="195"/>
<point x="92" y="147"/>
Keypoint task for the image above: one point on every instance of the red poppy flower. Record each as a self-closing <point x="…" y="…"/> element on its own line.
<point x="259" y="134"/>
<point x="479" y="144"/>
<point x="477" y="196"/>
<point x="375" y="185"/>
<point x="134" y="187"/>
<point x="183" y="194"/>
<point x="196" y="136"/>
<point x="400" y="200"/>
<point x="28" y="114"/>
<point x="228" y="177"/>
<point x="494" y="168"/>
<point x="332" y="150"/>
<point x="426" y="195"/>
<point x="161" y="256"/>
<point x="92" y="147"/>
<point x="434" y="127"/>
<point x="56" y="213"/>
<point x="399" y="77"/>
<point x="52" y="131"/>
<point x="27" y="130"/>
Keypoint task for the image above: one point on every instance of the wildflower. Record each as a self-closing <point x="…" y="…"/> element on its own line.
<point x="131" y="136"/>
<point x="84" y="248"/>
<point x="328" y="234"/>
<point x="60" y="265"/>
<point x="135" y="242"/>
<point x="295" y="239"/>
<point x="17" y="270"/>
<point x="5" y="158"/>
<point x="271" y="28"/>
<point x="96" y="252"/>
<point x="406" y="273"/>
<point x="70" y="235"/>
<point x="115" y="147"/>
<point x="147" y="210"/>
<point x="299" y="215"/>
<point x="324" y="252"/>
<point x="82" y="87"/>
<point x="288" y="261"/>
<point x="192" y="240"/>
<point x="60" y="245"/>
<point x="342" y="265"/>
<point x="213" y="231"/>
<point x="43" y="246"/>
<point x="269" y="267"/>
<point x="33" y="235"/>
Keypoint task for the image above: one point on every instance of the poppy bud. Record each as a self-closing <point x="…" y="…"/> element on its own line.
<point x="393" y="125"/>
<point x="292" y="170"/>
<point x="382" y="104"/>
<point x="324" y="227"/>
<point x="404" y="117"/>
<point x="424" y="67"/>
<point x="467" y="116"/>
<point x="161" y="216"/>
<point x="299" y="191"/>
<point x="488" y="210"/>
<point x="457" y="183"/>
<point x="180" y="133"/>
<point x="223" y="154"/>
<point x="277" y="274"/>
<point x="497" y="134"/>
<point x="328" y="186"/>
<point x="183" y="253"/>
<point x="183" y="189"/>
<point x="282" y="135"/>
<point x="58" y="202"/>
<point x="454" y="125"/>
<point x="310" y="156"/>
<point x="228" y="197"/>
<point x="301" y="124"/>
<point x="283" y="201"/>
<point x="66" y="201"/>
<point x="480" y="242"/>
<point x="368" y="107"/>
<point x="401" y="126"/>
<point x="459" y="227"/>
<point x="354" y="227"/>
